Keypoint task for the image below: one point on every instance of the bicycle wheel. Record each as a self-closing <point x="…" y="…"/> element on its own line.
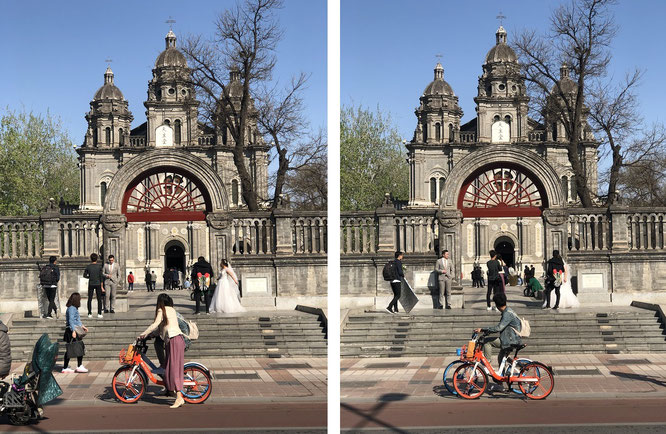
<point x="197" y="384"/>
<point x="128" y="388"/>
<point x="447" y="378"/>
<point x="520" y="364"/>
<point x="470" y="381"/>
<point x="544" y="384"/>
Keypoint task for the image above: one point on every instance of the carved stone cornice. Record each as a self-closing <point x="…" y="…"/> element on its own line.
<point x="114" y="222"/>
<point x="556" y="217"/>
<point x="449" y="218"/>
<point x="217" y="221"/>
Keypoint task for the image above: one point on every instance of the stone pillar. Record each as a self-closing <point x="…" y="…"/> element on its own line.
<point x="114" y="236"/>
<point x="386" y="220"/>
<point x="50" y="221"/>
<point x="450" y="226"/>
<point x="619" y="218"/>
<point x="555" y="228"/>
<point x="219" y="233"/>
<point x="283" y="236"/>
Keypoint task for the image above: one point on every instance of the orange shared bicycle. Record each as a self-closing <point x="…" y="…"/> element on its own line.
<point x="470" y="380"/>
<point x="137" y="370"/>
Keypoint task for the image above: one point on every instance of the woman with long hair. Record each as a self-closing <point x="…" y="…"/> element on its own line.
<point x="166" y="319"/>
<point x="227" y="295"/>
<point x="72" y="321"/>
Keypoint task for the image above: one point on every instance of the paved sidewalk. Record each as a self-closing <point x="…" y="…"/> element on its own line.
<point x="576" y="376"/>
<point x="235" y="380"/>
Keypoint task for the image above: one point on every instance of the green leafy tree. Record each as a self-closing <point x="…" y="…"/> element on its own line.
<point x="37" y="162"/>
<point x="372" y="159"/>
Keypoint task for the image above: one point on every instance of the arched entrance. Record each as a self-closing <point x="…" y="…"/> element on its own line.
<point x="505" y="247"/>
<point x="174" y="256"/>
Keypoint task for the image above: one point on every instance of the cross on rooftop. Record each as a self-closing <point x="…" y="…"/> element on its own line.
<point x="500" y="17"/>
<point x="108" y="61"/>
<point x="170" y="22"/>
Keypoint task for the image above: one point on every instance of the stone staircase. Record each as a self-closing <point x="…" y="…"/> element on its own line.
<point x="276" y="334"/>
<point x="441" y="332"/>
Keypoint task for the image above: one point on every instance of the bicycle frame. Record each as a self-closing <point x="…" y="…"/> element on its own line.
<point x="480" y="359"/>
<point x="147" y="367"/>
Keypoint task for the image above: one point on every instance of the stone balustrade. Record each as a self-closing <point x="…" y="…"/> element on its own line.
<point x="358" y="233"/>
<point x="416" y="233"/>
<point x="646" y="230"/>
<point x="589" y="230"/>
<point x="78" y="237"/>
<point x="468" y="137"/>
<point x="21" y="237"/>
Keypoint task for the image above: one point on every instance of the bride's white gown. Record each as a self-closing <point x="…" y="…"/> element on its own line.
<point x="227" y="296"/>
<point x="567" y="298"/>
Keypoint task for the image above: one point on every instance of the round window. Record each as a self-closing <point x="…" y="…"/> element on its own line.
<point x="502" y="87"/>
<point x="172" y="91"/>
<point x="513" y="88"/>
<point x="184" y="92"/>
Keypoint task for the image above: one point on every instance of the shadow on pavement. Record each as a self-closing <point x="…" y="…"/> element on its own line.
<point x="638" y="377"/>
<point x="372" y="415"/>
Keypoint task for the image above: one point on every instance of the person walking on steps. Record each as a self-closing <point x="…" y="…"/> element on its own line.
<point x="93" y="273"/>
<point x="72" y="324"/>
<point x="396" y="282"/>
<point x="49" y="276"/>
<point x="111" y="281"/>
<point x="494" y="282"/>
<point x="444" y="269"/>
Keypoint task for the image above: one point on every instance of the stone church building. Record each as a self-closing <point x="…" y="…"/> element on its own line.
<point x="164" y="187"/>
<point x="505" y="176"/>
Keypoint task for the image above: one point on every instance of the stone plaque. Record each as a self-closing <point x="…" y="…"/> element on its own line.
<point x="163" y="136"/>
<point x="500" y="132"/>
<point x="255" y="286"/>
<point x="592" y="281"/>
<point x="421" y="279"/>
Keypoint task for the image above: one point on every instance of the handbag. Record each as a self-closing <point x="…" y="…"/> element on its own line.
<point x="80" y="332"/>
<point x="75" y="349"/>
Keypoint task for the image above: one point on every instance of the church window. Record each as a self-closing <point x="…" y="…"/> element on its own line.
<point x="501" y="191"/>
<point x="573" y="189"/>
<point x="565" y="188"/>
<point x="122" y="137"/>
<point x="167" y="122"/>
<point x="425" y="132"/>
<point x="554" y="131"/>
<point x="102" y="192"/>
<point x="108" y="136"/>
<point x="172" y="91"/>
<point x="438" y="132"/>
<point x="234" y="192"/>
<point x="433" y="190"/>
<point x="450" y="132"/>
<point x="177" y="131"/>
<point x="95" y="137"/>
<point x="441" y="187"/>
<point x="502" y="87"/>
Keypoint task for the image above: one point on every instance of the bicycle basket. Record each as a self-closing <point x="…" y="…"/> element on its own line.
<point x="126" y="355"/>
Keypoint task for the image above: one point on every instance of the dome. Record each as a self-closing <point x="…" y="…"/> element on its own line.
<point x="566" y="83"/>
<point x="438" y="86"/>
<point x="501" y="52"/>
<point x="234" y="88"/>
<point x="108" y="90"/>
<point x="171" y="56"/>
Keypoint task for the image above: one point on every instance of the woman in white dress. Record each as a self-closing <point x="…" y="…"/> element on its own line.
<point x="567" y="298"/>
<point x="227" y="295"/>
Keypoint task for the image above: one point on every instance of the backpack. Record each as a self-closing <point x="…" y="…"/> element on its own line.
<point x="525" y="328"/>
<point x="194" y="330"/>
<point x="47" y="276"/>
<point x="388" y="272"/>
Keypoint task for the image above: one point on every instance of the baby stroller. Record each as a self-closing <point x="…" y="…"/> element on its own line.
<point x="533" y="288"/>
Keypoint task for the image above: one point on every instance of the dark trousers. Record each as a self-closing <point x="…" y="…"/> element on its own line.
<point x="159" y="351"/>
<point x="549" y="289"/>
<point x="96" y="290"/>
<point x="197" y="299"/>
<point x="130" y="286"/>
<point x="50" y="294"/>
<point x="395" y="287"/>
<point x="494" y="287"/>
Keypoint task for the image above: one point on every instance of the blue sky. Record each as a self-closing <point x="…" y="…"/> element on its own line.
<point x="54" y="52"/>
<point x="389" y="48"/>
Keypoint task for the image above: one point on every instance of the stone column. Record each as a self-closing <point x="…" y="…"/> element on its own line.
<point x="450" y="226"/>
<point x="219" y="234"/>
<point x="555" y="228"/>
<point x="283" y="238"/>
<point x="619" y="218"/>
<point x="386" y="220"/>
<point x="51" y="221"/>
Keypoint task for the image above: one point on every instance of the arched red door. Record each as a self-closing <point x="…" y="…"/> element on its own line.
<point x="502" y="190"/>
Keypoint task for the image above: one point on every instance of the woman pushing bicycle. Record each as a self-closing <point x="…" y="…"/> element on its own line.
<point x="508" y="328"/>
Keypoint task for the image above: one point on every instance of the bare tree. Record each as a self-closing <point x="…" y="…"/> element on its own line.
<point x="243" y="49"/>
<point x="580" y="35"/>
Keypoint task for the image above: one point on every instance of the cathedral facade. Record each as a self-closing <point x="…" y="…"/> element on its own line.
<point x="502" y="180"/>
<point x="165" y="188"/>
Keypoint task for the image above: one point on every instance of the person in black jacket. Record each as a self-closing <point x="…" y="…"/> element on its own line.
<point x="554" y="264"/>
<point x="203" y="267"/>
<point x="49" y="276"/>
<point x="494" y="277"/>
<point x="396" y="283"/>
<point x="5" y="352"/>
<point x="93" y="273"/>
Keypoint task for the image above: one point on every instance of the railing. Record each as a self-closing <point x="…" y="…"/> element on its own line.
<point x="20" y="238"/>
<point x="416" y="233"/>
<point x="309" y="234"/>
<point x="78" y="237"/>
<point x="646" y="230"/>
<point x="467" y="136"/>
<point x="536" y="136"/>
<point x="208" y="139"/>
<point x="358" y="234"/>
<point x="137" y="141"/>
<point x="253" y="235"/>
<point x="589" y="230"/>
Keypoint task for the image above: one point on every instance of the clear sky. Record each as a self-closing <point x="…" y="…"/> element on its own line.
<point x="389" y="48"/>
<point x="54" y="51"/>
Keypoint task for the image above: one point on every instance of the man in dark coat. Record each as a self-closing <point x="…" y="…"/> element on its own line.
<point x="202" y="266"/>
<point x="554" y="265"/>
<point x="5" y="352"/>
<point x="49" y="276"/>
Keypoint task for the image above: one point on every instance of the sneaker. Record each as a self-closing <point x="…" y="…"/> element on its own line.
<point x="99" y="315"/>
<point x="112" y="311"/>
<point x="90" y="315"/>
<point x="81" y="370"/>
<point x="489" y="308"/>
<point x="67" y="371"/>
<point x="494" y="308"/>
<point x="388" y="310"/>
<point x="49" y="317"/>
<point x="106" y="310"/>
